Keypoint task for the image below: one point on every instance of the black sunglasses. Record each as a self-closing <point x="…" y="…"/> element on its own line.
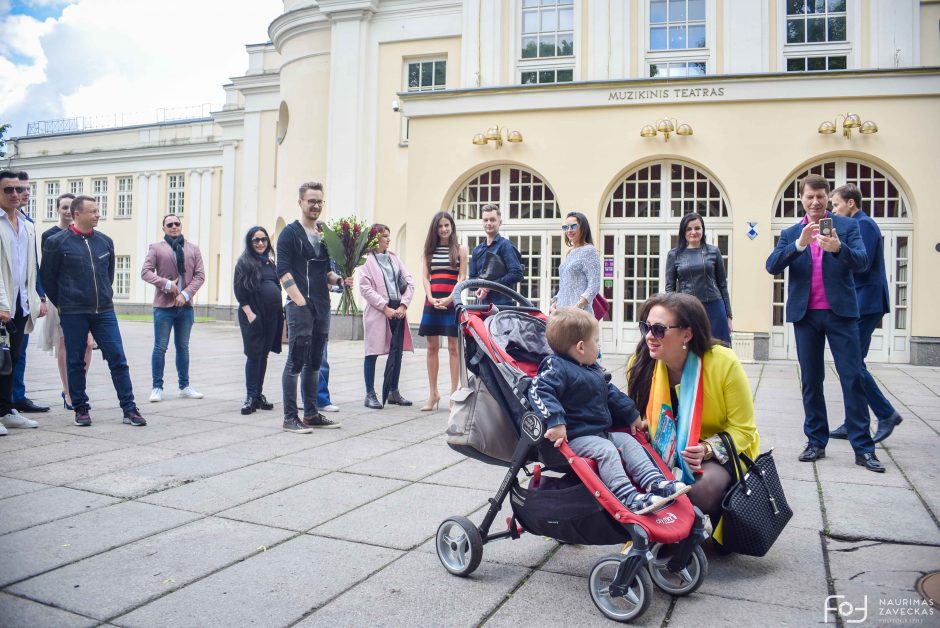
<point x="170" y="225"/>
<point x="10" y="189"/>
<point x="259" y="240"/>
<point x="659" y="330"/>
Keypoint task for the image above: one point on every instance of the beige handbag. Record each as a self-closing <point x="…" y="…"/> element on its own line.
<point x="478" y="426"/>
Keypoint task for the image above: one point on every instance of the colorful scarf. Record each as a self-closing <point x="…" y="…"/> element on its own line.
<point x="669" y="436"/>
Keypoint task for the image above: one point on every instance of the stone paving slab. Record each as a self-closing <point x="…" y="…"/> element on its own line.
<point x="427" y="426"/>
<point x="229" y="489"/>
<point x="23" y="439"/>
<point x="77" y="469"/>
<point x="271" y="447"/>
<point x="29" y="509"/>
<point x="415" y="591"/>
<point x="469" y="473"/>
<point x="34" y="550"/>
<point x="715" y="611"/>
<point x="803" y="498"/>
<point x="551" y="599"/>
<point x="54" y="452"/>
<point x="409" y="462"/>
<point x="160" y="476"/>
<point x="314" y="502"/>
<point x="134" y="574"/>
<point x="404" y="518"/>
<point x="21" y="613"/>
<point x="341" y="453"/>
<point x="885" y="513"/>
<point x="273" y="588"/>
<point x="10" y="487"/>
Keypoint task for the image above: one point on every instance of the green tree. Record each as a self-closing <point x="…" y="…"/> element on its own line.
<point x="3" y="131"/>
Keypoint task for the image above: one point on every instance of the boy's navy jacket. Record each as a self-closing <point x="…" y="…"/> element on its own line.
<point x="567" y="393"/>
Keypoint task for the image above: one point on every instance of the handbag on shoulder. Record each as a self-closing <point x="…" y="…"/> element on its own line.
<point x="754" y="511"/>
<point x="6" y="358"/>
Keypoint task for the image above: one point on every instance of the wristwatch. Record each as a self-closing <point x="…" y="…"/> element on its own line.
<point x="339" y="282"/>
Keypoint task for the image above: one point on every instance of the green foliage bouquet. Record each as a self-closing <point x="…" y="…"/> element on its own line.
<point x="348" y="240"/>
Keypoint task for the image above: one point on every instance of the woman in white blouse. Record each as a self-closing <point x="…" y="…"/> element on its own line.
<point x="579" y="275"/>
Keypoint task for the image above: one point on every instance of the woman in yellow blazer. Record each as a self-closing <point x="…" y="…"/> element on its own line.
<point x="675" y="325"/>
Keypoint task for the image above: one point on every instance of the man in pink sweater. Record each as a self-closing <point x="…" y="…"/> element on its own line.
<point x="174" y="267"/>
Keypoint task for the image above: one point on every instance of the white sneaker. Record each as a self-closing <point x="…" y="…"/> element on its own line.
<point x="330" y="408"/>
<point x="190" y="393"/>
<point x="15" y="419"/>
<point x="3" y="430"/>
<point x="156" y="395"/>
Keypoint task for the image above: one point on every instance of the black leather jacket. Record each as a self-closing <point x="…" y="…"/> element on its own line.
<point x="699" y="272"/>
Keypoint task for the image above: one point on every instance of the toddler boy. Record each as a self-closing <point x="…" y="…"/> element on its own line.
<point x="578" y="405"/>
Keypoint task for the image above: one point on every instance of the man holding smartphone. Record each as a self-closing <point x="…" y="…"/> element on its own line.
<point x="821" y="304"/>
<point x="871" y="288"/>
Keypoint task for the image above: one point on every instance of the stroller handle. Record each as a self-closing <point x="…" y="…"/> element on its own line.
<point x="469" y="284"/>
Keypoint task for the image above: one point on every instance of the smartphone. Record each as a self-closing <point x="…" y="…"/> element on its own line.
<point x="825" y="226"/>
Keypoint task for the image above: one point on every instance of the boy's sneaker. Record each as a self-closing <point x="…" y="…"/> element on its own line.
<point x="82" y="418"/>
<point x="190" y="393"/>
<point x="156" y="395"/>
<point x="647" y="502"/>
<point x="15" y="419"/>
<point x="294" y="425"/>
<point x="669" y="488"/>
<point x="320" y="421"/>
<point x="132" y="417"/>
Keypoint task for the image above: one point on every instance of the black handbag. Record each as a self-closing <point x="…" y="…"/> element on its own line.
<point x="754" y="511"/>
<point x="6" y="358"/>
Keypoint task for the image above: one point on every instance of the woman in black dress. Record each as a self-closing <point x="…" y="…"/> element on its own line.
<point x="260" y="313"/>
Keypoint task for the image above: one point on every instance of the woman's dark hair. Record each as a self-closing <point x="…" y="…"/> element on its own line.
<point x="583" y="227"/>
<point x="433" y="241"/>
<point x="683" y="225"/>
<point x="690" y="313"/>
<point x="248" y="260"/>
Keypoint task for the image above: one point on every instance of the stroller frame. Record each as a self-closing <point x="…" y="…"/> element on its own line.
<point x="616" y="582"/>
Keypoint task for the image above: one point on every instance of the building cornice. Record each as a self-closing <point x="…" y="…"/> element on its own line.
<point x="116" y="129"/>
<point x="639" y="92"/>
<point x="70" y="160"/>
<point x="295" y="23"/>
<point x="267" y="82"/>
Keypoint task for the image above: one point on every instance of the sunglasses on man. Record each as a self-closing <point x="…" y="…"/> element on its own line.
<point x="657" y="329"/>
<point x="14" y="190"/>
<point x="171" y="225"/>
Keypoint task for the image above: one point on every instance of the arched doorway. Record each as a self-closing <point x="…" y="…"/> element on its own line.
<point x="640" y="225"/>
<point x="883" y="200"/>
<point x="531" y="218"/>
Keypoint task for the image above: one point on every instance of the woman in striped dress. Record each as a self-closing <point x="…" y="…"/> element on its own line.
<point x="445" y="265"/>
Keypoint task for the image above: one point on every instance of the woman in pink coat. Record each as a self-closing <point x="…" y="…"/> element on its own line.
<point x="387" y="287"/>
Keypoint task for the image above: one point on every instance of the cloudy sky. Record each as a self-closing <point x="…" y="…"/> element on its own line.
<point x="68" y="58"/>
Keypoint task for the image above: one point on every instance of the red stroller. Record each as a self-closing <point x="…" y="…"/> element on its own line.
<point x="502" y="347"/>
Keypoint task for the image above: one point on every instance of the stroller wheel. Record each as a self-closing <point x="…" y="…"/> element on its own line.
<point x="687" y="579"/>
<point x="620" y="608"/>
<point x="459" y="546"/>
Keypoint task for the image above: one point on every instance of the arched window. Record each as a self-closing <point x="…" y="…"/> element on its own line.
<point x="531" y="217"/>
<point x="638" y="228"/>
<point x="883" y="200"/>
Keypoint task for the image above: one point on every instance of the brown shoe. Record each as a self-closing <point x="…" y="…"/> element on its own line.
<point x="320" y="421"/>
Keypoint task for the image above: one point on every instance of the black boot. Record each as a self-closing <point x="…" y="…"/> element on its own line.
<point x="394" y="397"/>
<point x="372" y="401"/>
<point x="249" y="406"/>
<point x="261" y="403"/>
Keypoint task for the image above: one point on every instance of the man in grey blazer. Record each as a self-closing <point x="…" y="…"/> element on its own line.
<point x="20" y="305"/>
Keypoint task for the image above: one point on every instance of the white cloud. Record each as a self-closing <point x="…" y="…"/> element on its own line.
<point x="107" y="57"/>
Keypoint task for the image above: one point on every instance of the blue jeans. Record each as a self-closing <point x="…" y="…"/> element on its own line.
<point x="104" y="329"/>
<point x="255" y="368"/>
<point x="19" y="373"/>
<point x="873" y="395"/>
<point x="180" y="320"/>
<point x="323" y="388"/>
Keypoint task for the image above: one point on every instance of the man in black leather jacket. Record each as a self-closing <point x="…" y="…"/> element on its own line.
<point x="77" y="272"/>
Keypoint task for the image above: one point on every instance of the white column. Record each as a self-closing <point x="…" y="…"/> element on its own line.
<point x="205" y="228"/>
<point x="481" y="43"/>
<point x="345" y="131"/>
<point x="228" y="223"/>
<point x="251" y="161"/>
<point x="141" y="204"/>
<point x="194" y="207"/>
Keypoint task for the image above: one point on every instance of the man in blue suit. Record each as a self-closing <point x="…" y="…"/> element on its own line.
<point x="871" y="288"/>
<point x="822" y="306"/>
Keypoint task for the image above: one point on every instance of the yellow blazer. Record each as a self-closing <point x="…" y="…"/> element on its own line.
<point x="727" y="405"/>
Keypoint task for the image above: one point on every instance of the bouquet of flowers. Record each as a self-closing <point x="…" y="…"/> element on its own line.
<point x="348" y="240"/>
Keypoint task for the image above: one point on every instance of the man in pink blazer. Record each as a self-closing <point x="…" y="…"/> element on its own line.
<point x="174" y="267"/>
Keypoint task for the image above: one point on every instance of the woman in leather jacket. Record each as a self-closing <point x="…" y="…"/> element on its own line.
<point x="697" y="268"/>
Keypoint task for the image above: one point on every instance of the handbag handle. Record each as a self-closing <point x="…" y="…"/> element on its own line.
<point x="729" y="445"/>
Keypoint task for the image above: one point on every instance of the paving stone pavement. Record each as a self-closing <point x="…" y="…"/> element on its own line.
<point x="209" y="518"/>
